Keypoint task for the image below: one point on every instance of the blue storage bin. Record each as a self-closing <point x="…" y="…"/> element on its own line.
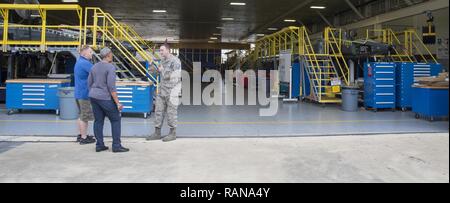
<point x="379" y="85"/>
<point x="430" y="103"/>
<point x="405" y="76"/>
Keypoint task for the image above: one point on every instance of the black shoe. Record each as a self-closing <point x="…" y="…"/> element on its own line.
<point x="121" y="150"/>
<point x="88" y="140"/>
<point x="79" y="137"/>
<point x="101" y="149"/>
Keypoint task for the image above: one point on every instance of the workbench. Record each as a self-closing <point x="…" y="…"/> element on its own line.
<point x="33" y="94"/>
<point x="430" y="103"/>
<point x="136" y="97"/>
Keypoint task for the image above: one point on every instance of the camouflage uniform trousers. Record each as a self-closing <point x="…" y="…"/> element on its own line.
<point x="166" y="105"/>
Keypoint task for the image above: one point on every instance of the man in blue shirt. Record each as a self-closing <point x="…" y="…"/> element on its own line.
<point x="82" y="69"/>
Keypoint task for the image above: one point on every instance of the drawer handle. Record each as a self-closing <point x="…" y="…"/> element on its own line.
<point x="125" y="101"/>
<point x="127" y="107"/>
<point x="28" y="99"/>
<point x="33" y="90"/>
<point x="124" y="92"/>
<point x="385" y="72"/>
<point x="386" y="86"/>
<point x="34" y="104"/>
<point x="385" y="94"/>
<point x="33" y="86"/>
<point x="385" y="79"/>
<point x="385" y="102"/>
<point x="124" y="88"/>
<point x="122" y="96"/>
<point x="32" y="94"/>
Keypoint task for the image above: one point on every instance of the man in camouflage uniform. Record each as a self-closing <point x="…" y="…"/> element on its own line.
<point x="168" y="98"/>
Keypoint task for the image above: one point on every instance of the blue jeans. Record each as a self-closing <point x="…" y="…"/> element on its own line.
<point x="102" y="109"/>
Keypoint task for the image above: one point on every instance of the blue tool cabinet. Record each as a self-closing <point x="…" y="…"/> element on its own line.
<point x="136" y="97"/>
<point x="430" y="103"/>
<point x="405" y="77"/>
<point x="379" y="86"/>
<point x="33" y="94"/>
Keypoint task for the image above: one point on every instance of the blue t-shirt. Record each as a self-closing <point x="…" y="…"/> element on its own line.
<point x="82" y="69"/>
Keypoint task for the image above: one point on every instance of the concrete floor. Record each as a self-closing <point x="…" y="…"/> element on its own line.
<point x="293" y="119"/>
<point x="380" y="158"/>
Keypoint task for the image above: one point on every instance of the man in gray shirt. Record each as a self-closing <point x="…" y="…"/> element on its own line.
<point x="104" y="100"/>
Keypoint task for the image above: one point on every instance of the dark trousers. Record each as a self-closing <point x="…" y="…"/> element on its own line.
<point x="102" y="109"/>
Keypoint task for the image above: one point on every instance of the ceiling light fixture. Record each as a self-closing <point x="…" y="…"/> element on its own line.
<point x="237" y="4"/>
<point x="213" y="38"/>
<point x="159" y="11"/>
<point x="318" y="7"/>
<point x="290" y="20"/>
<point x="228" y="19"/>
<point x="272" y="29"/>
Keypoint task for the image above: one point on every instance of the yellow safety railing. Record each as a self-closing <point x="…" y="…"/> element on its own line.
<point x="109" y="28"/>
<point x="334" y="44"/>
<point x="411" y="44"/>
<point x="43" y="9"/>
<point x="136" y="37"/>
<point x="389" y="37"/>
<point x="414" y="42"/>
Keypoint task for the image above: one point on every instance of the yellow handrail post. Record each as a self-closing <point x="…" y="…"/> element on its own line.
<point x="105" y="26"/>
<point x="43" y="14"/>
<point x="85" y="25"/>
<point x="80" y="33"/>
<point x="5" y="14"/>
<point x="94" y="30"/>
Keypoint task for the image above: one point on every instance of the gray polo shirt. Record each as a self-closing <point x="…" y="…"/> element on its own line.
<point x="102" y="81"/>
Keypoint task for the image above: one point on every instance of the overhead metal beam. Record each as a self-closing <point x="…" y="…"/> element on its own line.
<point x="193" y="45"/>
<point x="413" y="10"/>
<point x="41" y="6"/>
<point x="324" y="19"/>
<point x="353" y="7"/>
<point x="416" y="9"/>
<point x="278" y="19"/>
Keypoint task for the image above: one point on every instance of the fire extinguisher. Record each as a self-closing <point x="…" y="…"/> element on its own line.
<point x="369" y="71"/>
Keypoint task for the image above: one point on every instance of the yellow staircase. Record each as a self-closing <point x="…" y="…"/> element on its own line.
<point x="106" y="31"/>
<point x="322" y="69"/>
